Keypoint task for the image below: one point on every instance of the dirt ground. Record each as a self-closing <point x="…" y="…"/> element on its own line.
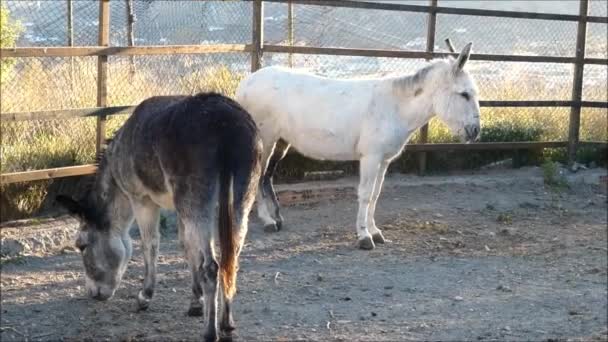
<point x="480" y="257"/>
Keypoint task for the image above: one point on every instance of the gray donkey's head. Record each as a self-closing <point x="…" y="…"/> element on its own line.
<point x="103" y="241"/>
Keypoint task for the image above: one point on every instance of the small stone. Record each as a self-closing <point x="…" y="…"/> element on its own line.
<point x="504" y="288"/>
<point x="458" y="298"/>
<point x="374" y="314"/>
<point x="319" y="277"/>
<point x="389" y="287"/>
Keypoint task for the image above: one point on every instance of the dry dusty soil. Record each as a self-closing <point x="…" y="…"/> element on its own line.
<point x="489" y="256"/>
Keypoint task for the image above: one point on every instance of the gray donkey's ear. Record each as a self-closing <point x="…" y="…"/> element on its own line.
<point x="463" y="57"/>
<point x="73" y="206"/>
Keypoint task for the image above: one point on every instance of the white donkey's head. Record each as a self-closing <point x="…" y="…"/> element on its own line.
<point x="456" y="101"/>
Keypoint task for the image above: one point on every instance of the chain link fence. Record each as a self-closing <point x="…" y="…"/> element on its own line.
<point x="51" y="83"/>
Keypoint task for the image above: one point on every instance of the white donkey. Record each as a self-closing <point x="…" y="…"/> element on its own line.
<point x="366" y="119"/>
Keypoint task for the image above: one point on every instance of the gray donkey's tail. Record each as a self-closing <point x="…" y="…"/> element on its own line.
<point x="228" y="245"/>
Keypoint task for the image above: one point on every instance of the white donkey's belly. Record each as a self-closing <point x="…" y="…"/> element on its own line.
<point x="323" y="145"/>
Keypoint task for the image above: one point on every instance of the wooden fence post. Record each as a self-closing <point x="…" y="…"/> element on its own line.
<point x="577" y="84"/>
<point x="257" y="39"/>
<point x="102" y="72"/>
<point x="430" y="47"/>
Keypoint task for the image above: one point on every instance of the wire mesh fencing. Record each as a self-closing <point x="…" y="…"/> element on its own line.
<point x="50" y="83"/>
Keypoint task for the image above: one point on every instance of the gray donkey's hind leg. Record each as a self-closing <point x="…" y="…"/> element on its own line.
<point x="195" y="261"/>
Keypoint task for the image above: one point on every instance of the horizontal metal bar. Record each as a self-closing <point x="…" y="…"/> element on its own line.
<point x="422" y="54"/>
<point x="28" y="176"/>
<point x="76" y="51"/>
<point x="596" y="144"/>
<point x="446" y="10"/>
<point x="549" y="103"/>
<point x="27" y="52"/>
<point x="119" y="110"/>
<point x="485" y="146"/>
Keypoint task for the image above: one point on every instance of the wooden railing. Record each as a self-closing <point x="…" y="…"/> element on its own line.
<point x="257" y="48"/>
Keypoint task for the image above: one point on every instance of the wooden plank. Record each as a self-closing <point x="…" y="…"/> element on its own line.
<point x="28" y="176"/>
<point x="577" y="84"/>
<point x="257" y="35"/>
<point x="430" y="47"/>
<point x="102" y="73"/>
<point x="486" y="146"/>
<point x="446" y="10"/>
<point x="83" y="51"/>
<point x="63" y="114"/>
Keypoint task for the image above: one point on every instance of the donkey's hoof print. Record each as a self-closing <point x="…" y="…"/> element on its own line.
<point x="365" y="243"/>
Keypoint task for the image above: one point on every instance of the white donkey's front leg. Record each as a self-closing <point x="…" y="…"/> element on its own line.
<point x="373" y="229"/>
<point x="368" y="172"/>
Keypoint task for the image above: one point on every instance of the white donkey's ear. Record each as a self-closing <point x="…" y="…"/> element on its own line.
<point x="462" y="58"/>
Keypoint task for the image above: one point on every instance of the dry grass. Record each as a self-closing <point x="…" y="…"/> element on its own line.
<point x="71" y="83"/>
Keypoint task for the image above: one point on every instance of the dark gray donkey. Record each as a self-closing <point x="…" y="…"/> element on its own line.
<point x="184" y="153"/>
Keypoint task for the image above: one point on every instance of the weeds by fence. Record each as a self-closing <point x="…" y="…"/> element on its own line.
<point x="521" y="59"/>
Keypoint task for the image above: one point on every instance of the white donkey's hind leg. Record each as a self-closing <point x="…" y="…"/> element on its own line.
<point x="262" y="199"/>
<point x="373" y="229"/>
<point x="368" y="171"/>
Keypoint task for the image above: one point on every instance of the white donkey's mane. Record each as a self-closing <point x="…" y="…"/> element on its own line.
<point x="411" y="84"/>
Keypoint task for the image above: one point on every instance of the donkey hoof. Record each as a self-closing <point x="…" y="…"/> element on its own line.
<point x="226" y="337"/>
<point x="279" y="225"/>
<point x="143" y="302"/>
<point x="365" y="243"/>
<point x="271" y="228"/>
<point x="210" y="337"/>
<point x="195" y="311"/>
<point x="378" y="238"/>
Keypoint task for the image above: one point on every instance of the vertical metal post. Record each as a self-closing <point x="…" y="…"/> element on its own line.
<point x="577" y="84"/>
<point x="71" y="39"/>
<point x="430" y="47"/>
<point x="257" y="31"/>
<point x="130" y="34"/>
<point x="70" y="24"/>
<point x="290" y="30"/>
<point x="102" y="71"/>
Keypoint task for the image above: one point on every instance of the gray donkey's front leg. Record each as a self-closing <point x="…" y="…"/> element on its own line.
<point x="147" y="215"/>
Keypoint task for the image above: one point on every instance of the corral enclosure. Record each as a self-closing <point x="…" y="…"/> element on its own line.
<point x="64" y="91"/>
<point x="490" y="255"/>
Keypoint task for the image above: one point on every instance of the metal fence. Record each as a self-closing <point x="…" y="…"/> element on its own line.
<point x="97" y="59"/>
